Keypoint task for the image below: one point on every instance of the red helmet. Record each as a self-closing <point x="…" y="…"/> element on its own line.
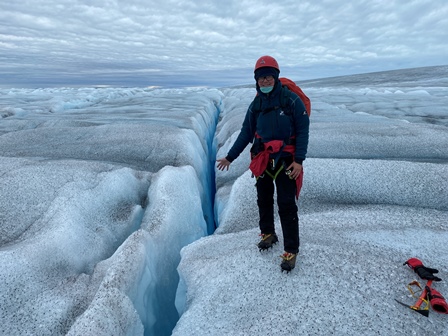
<point x="266" y="61"/>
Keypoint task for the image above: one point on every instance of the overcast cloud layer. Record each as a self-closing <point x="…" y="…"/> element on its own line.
<point x="203" y="42"/>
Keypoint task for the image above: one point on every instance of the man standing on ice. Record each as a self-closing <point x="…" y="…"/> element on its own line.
<point x="277" y="123"/>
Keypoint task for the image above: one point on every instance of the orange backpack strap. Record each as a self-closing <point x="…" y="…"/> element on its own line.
<point x="293" y="87"/>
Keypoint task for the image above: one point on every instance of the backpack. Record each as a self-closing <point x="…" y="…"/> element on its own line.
<point x="288" y="86"/>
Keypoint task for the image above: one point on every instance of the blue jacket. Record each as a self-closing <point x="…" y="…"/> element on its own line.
<point x="275" y="124"/>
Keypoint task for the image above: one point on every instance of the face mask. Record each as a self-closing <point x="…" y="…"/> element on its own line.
<point x="266" y="89"/>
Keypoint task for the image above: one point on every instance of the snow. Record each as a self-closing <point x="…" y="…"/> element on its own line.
<point x="108" y="197"/>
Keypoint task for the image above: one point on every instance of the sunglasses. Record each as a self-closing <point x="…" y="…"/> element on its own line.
<point x="265" y="78"/>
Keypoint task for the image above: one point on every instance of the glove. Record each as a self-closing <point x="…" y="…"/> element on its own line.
<point x="437" y="301"/>
<point x="423" y="272"/>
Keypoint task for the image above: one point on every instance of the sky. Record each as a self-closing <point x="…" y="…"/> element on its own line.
<point x="212" y="43"/>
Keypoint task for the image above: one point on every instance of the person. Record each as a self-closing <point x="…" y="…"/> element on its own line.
<point x="280" y="141"/>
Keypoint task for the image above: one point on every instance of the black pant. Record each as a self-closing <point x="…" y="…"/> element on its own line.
<point x="287" y="208"/>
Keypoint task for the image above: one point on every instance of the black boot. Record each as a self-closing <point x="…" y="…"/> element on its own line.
<point x="267" y="241"/>
<point x="288" y="262"/>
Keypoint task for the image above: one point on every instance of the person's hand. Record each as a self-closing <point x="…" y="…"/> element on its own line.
<point x="223" y="164"/>
<point x="296" y="169"/>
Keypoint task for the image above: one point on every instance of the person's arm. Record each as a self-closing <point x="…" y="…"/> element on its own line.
<point x="244" y="138"/>
<point x="301" y="127"/>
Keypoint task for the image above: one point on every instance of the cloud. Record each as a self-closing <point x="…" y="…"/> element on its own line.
<point x="47" y="38"/>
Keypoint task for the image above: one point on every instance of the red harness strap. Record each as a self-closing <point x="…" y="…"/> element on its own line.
<point x="260" y="162"/>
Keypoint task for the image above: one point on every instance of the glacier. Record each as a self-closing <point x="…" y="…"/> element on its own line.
<point x="114" y="220"/>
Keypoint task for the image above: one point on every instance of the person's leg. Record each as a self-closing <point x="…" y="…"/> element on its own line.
<point x="288" y="212"/>
<point x="265" y="202"/>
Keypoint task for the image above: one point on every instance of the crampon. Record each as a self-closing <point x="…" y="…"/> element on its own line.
<point x="288" y="262"/>
<point x="267" y="241"/>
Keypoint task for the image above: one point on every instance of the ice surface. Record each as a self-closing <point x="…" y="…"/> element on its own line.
<point x="104" y="191"/>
